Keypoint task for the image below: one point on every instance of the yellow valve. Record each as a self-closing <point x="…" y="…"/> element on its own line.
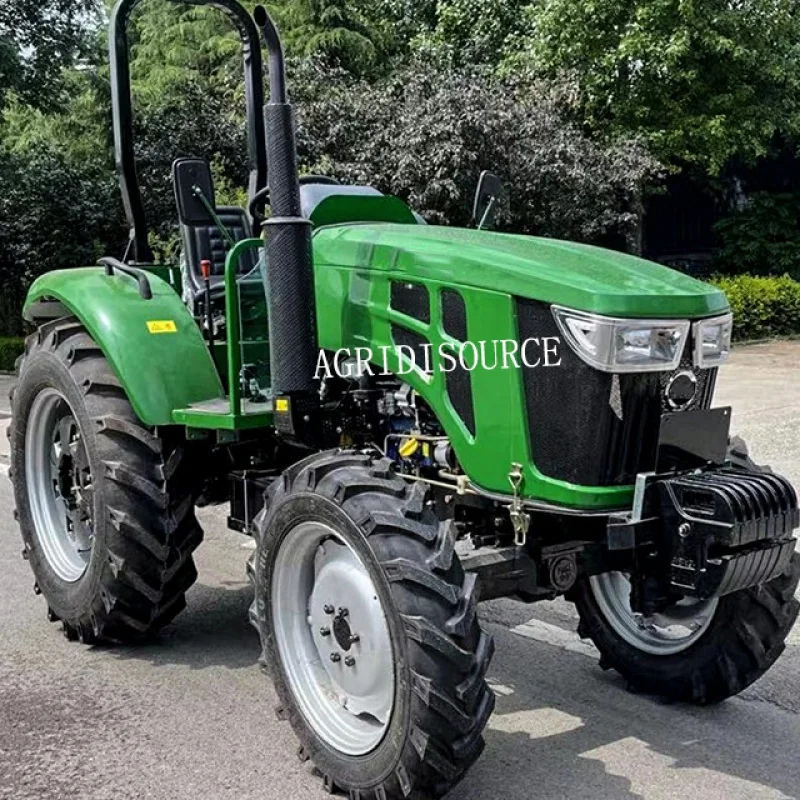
<point x="408" y="448"/>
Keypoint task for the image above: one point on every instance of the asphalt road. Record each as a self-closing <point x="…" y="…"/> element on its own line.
<point x="191" y="716"/>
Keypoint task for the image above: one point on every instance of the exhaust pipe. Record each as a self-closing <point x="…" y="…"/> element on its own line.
<point x="290" y="275"/>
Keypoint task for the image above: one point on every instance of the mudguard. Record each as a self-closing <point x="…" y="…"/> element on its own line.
<point x="153" y="345"/>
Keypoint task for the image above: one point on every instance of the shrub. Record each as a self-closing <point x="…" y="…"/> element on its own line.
<point x="11" y="348"/>
<point x="762" y="306"/>
<point x="763" y="238"/>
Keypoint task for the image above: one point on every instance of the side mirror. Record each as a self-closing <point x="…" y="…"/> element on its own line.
<point x="487" y="199"/>
<point x="193" y="184"/>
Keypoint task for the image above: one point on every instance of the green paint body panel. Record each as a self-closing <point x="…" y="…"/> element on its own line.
<point x="168" y="375"/>
<point x="568" y="274"/>
<point x="354" y="267"/>
<point x="160" y="372"/>
<point x="346" y="208"/>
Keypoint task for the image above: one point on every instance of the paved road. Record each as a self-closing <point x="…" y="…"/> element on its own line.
<point x="191" y="716"/>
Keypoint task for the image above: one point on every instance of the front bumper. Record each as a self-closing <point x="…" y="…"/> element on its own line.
<point x="716" y="530"/>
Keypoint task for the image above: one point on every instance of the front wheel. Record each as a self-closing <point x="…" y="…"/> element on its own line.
<point x="695" y="651"/>
<point x="369" y="628"/>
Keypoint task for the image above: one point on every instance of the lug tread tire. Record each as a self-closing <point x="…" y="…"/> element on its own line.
<point x="146" y="495"/>
<point x="447" y="653"/>
<point x="745" y="639"/>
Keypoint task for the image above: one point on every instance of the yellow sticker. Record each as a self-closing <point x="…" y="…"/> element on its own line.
<point x="281" y="404"/>
<point x="162" y="326"/>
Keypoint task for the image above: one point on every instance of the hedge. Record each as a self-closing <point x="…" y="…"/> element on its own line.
<point x="763" y="307"/>
<point x="10" y="349"/>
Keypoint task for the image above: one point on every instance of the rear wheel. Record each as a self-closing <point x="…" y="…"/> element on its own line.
<point x="369" y="629"/>
<point x="105" y="504"/>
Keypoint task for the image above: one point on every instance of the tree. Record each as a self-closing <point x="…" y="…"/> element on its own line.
<point x="426" y="133"/>
<point x="53" y="215"/>
<point x="38" y="38"/>
<point x="700" y="80"/>
<point x="337" y="31"/>
<point x="763" y="237"/>
<point x="175" y="47"/>
<point x="475" y="31"/>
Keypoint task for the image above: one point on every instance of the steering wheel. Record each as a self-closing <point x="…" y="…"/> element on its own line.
<point x="261" y="197"/>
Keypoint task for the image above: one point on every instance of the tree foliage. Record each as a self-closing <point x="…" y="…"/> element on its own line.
<point x="476" y="31"/>
<point x="38" y="38"/>
<point x="700" y="80"/>
<point x="571" y="102"/>
<point x="426" y="134"/>
<point x="338" y="32"/>
<point x="763" y="238"/>
<point x="53" y="215"/>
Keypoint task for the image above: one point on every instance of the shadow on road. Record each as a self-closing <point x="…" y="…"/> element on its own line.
<point x="561" y="729"/>
<point x="564" y="729"/>
<point x="212" y="631"/>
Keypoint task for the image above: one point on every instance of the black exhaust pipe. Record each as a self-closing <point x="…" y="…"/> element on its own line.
<point x="290" y="275"/>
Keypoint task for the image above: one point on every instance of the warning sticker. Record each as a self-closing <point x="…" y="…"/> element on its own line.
<point x="162" y="326"/>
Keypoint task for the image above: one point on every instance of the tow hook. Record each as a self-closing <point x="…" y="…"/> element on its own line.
<point x="520" y="520"/>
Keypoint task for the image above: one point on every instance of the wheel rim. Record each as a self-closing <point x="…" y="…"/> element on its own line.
<point x="666" y="633"/>
<point x="333" y="638"/>
<point x="59" y="485"/>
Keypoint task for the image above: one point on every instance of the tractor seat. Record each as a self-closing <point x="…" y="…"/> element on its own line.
<point x="207" y="243"/>
<point x="201" y="237"/>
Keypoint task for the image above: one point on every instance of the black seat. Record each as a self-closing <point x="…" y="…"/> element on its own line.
<point x="208" y="243"/>
<point x="203" y="240"/>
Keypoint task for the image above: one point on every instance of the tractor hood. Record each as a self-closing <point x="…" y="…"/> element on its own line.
<point x="574" y="275"/>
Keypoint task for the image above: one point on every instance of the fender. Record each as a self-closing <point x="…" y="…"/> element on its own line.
<point x="153" y="345"/>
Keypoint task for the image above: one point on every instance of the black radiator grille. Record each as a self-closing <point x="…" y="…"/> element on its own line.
<point x="589" y="427"/>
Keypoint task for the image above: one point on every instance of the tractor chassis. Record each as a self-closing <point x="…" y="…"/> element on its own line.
<point x="698" y="533"/>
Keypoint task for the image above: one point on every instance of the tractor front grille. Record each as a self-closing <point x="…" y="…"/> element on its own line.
<point x="589" y="427"/>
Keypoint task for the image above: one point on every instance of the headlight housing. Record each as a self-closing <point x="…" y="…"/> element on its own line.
<point x="712" y="341"/>
<point x="623" y="345"/>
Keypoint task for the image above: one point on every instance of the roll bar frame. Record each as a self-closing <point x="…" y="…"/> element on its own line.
<point x="122" y="113"/>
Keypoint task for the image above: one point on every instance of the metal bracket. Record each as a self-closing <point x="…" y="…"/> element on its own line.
<point x="520" y="520"/>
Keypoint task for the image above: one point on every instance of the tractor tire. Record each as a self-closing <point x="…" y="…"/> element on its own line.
<point x="353" y="572"/>
<point x="739" y="640"/>
<point x="105" y="503"/>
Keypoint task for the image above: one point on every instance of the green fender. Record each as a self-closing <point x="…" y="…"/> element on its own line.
<point x="163" y="366"/>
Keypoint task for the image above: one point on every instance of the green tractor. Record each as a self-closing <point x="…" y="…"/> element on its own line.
<point x="408" y="419"/>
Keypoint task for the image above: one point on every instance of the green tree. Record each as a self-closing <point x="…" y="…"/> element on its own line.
<point x="475" y="31"/>
<point x="175" y="46"/>
<point x="700" y="80"/>
<point x="338" y="31"/>
<point x="38" y="38"/>
<point x="763" y="237"/>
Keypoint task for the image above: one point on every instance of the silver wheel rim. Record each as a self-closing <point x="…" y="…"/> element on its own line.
<point x="666" y="633"/>
<point x="59" y="485"/>
<point x="333" y="638"/>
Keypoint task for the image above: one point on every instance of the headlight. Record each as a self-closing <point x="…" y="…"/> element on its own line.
<point x="712" y="341"/>
<point x="623" y="345"/>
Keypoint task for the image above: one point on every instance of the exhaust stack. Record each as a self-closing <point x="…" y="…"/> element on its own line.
<point x="290" y="275"/>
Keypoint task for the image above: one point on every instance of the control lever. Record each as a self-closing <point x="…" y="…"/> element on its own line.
<point x="205" y="271"/>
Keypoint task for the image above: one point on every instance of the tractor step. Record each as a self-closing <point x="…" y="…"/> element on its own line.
<point x="215" y="414"/>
